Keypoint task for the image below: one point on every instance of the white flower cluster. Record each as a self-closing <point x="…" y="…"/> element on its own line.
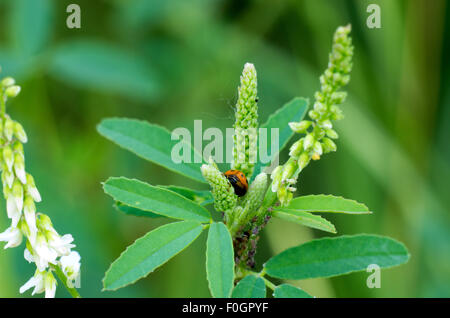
<point x="44" y="246"/>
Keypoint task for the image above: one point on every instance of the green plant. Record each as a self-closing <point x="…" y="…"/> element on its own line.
<point x="232" y="241"/>
<point x="50" y="252"/>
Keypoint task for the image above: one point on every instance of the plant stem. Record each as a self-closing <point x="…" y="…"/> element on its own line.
<point x="72" y="291"/>
<point x="268" y="283"/>
<point x="2" y="104"/>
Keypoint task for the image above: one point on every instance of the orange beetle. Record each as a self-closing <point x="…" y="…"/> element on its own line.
<point x="238" y="181"/>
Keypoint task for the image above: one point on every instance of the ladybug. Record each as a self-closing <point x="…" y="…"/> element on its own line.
<point x="238" y="181"/>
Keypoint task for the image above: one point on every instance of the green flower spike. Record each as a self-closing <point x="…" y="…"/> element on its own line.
<point x="246" y="125"/>
<point x="222" y="191"/>
<point x="319" y="131"/>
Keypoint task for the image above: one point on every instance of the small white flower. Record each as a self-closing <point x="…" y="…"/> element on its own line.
<point x="19" y="168"/>
<point x="29" y="210"/>
<point x="7" y="178"/>
<point x="12" y="210"/>
<point x="42" y="282"/>
<point x="50" y="285"/>
<point x="61" y="244"/>
<point x="70" y="265"/>
<point x="31" y="188"/>
<point x="44" y="253"/>
<point x="37" y="281"/>
<point x="28" y="256"/>
<point x="17" y="194"/>
<point x="13" y="236"/>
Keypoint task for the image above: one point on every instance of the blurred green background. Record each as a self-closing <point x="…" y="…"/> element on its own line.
<point x="170" y="62"/>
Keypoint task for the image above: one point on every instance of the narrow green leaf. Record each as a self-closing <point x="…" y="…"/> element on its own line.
<point x="289" y="291"/>
<point x="202" y="197"/>
<point x="220" y="261"/>
<point x="327" y="204"/>
<point x="336" y="256"/>
<point x="150" y="142"/>
<point x="105" y="67"/>
<point x="304" y="218"/>
<point x="121" y="207"/>
<point x="143" y="196"/>
<point x="294" y="110"/>
<point x="149" y="252"/>
<point x="250" y="286"/>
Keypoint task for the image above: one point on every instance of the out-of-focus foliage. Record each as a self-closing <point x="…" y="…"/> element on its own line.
<point x="171" y="61"/>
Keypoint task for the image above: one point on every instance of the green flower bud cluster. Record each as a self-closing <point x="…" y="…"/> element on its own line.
<point x="245" y="135"/>
<point x="247" y="207"/>
<point x="222" y="191"/>
<point x="319" y="130"/>
<point x="44" y="246"/>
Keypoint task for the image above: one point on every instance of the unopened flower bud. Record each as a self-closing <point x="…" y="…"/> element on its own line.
<point x="31" y="188"/>
<point x="308" y="142"/>
<point x="317" y="149"/>
<point x="331" y="133"/>
<point x="276" y="178"/>
<point x="296" y="149"/>
<point x="328" y="145"/>
<point x="8" y="129"/>
<point x="326" y="124"/>
<point x="8" y="157"/>
<point x="8" y="81"/>
<point x="12" y="91"/>
<point x="313" y="114"/>
<point x="300" y="127"/>
<point x="19" y="132"/>
<point x="289" y="169"/>
<point x="19" y="168"/>
<point x="17" y="193"/>
<point x="224" y="197"/>
<point x="303" y="160"/>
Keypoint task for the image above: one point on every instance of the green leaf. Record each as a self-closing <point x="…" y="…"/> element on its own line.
<point x="121" y="207"/>
<point x="150" y="142"/>
<point x="304" y="218"/>
<point x="327" y="204"/>
<point x="294" y="110"/>
<point x="336" y="256"/>
<point x="250" y="286"/>
<point x="220" y="261"/>
<point x="143" y="196"/>
<point x="202" y="197"/>
<point x="105" y="67"/>
<point x="289" y="291"/>
<point x="149" y="252"/>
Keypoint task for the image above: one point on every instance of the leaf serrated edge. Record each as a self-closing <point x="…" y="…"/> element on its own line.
<point x="142" y="182"/>
<point x="408" y="255"/>
<point x="201" y="180"/>
<point x="206" y="262"/>
<point x="140" y="238"/>
<point x="334" y="211"/>
<point x="332" y="228"/>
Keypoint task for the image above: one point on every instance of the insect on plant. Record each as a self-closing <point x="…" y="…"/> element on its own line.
<point x="247" y="206"/>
